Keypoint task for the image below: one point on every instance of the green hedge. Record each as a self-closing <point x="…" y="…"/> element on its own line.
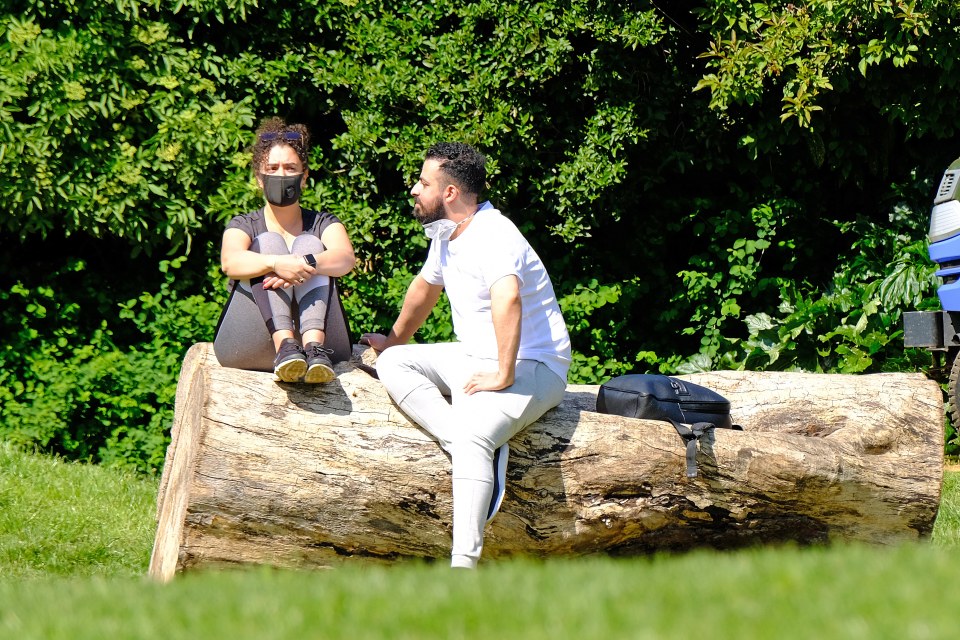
<point x="713" y="185"/>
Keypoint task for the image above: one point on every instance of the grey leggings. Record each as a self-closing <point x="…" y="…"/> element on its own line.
<point x="244" y="335"/>
<point x="277" y="305"/>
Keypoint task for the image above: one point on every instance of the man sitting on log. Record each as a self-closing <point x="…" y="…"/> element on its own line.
<point x="509" y="364"/>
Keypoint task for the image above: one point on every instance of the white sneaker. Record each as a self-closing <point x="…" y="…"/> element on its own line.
<point x="500" y="457"/>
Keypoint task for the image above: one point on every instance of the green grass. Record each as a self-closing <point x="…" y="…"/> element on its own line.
<point x="75" y="540"/>
<point x="61" y="518"/>
<point x="946" y="530"/>
<point x="850" y="592"/>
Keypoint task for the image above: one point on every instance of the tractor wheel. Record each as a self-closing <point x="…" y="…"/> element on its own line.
<point x="953" y="389"/>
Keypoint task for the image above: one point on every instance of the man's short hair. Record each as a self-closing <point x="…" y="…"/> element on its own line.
<point x="464" y="165"/>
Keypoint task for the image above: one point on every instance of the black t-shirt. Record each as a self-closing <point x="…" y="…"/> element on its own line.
<point x="253" y="224"/>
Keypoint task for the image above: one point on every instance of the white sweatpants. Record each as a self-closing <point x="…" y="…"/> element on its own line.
<point x="426" y="381"/>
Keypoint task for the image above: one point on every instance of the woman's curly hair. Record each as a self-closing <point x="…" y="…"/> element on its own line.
<point x="275" y="131"/>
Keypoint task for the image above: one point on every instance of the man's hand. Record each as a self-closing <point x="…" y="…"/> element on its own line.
<point x="487" y="381"/>
<point x="376" y="341"/>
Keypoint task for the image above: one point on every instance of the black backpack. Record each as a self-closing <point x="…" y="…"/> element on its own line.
<point x="691" y="409"/>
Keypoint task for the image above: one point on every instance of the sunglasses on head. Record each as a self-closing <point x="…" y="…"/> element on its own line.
<point x="286" y="136"/>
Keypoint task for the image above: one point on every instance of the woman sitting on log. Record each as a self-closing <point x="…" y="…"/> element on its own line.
<point x="283" y="257"/>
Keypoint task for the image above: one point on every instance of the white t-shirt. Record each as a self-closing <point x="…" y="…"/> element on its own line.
<point x="490" y="248"/>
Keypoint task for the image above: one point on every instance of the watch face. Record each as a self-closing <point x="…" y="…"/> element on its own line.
<point x="310" y="260"/>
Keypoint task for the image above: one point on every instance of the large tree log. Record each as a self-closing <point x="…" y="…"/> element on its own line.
<point x="316" y="475"/>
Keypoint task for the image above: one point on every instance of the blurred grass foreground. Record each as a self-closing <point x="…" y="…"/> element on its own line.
<point x="75" y="542"/>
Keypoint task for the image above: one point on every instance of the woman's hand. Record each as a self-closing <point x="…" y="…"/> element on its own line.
<point x="288" y="271"/>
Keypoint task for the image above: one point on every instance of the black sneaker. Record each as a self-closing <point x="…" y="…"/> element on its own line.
<point x="499" y="479"/>
<point x="319" y="365"/>
<point x="291" y="362"/>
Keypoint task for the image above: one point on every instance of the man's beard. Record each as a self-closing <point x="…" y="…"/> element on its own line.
<point x="426" y="214"/>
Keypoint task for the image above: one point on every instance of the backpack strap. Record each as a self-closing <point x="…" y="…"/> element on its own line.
<point x="691" y="434"/>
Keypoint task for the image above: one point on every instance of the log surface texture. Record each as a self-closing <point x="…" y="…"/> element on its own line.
<point x="317" y="475"/>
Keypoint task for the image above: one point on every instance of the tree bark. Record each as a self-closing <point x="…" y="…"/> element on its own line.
<point x="317" y="475"/>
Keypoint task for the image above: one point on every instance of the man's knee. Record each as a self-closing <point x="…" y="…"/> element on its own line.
<point x="387" y="360"/>
<point x="478" y="443"/>
<point x="392" y="364"/>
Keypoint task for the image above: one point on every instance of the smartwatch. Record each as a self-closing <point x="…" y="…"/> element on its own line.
<point x="310" y="260"/>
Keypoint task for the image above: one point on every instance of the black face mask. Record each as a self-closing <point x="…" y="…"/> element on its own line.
<point x="282" y="191"/>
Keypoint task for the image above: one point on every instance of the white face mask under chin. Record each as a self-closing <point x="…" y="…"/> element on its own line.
<point x="442" y="229"/>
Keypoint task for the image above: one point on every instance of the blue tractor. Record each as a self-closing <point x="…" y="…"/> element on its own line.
<point x="939" y="331"/>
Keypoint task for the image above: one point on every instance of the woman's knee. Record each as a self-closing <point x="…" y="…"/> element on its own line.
<point x="269" y="242"/>
<point x="307" y="243"/>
